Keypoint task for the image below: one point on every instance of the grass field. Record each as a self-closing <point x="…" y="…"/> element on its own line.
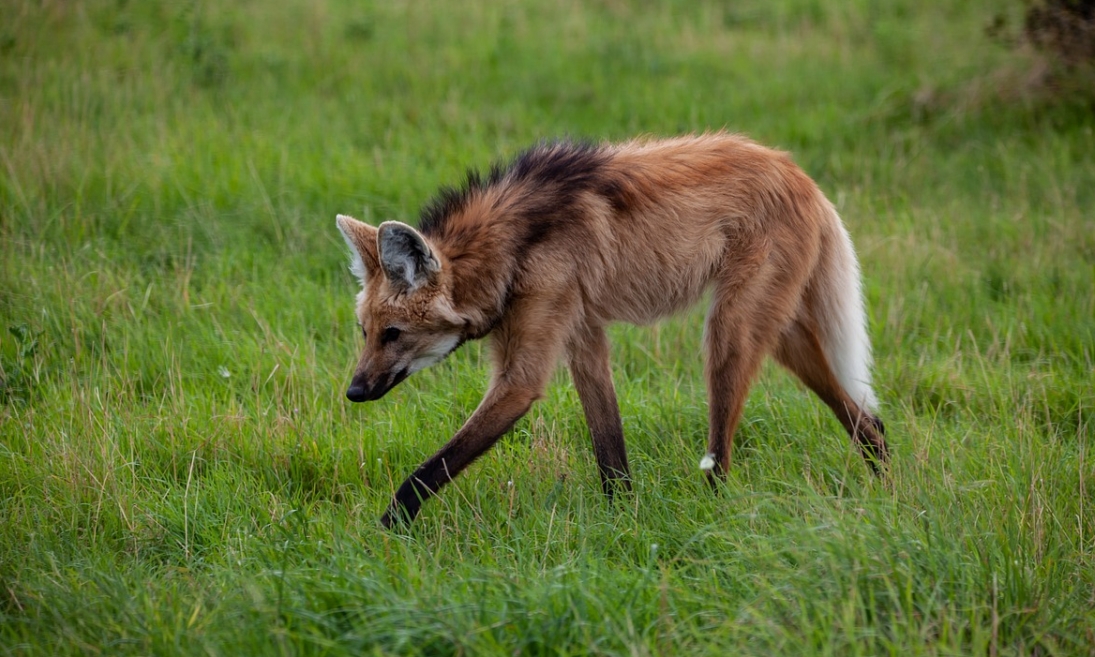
<point x="181" y="474"/>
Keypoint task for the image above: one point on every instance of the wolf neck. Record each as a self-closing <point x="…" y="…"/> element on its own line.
<point x="488" y="229"/>
<point x="483" y="272"/>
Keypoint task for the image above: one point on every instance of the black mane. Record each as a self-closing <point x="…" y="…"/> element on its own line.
<point x="562" y="169"/>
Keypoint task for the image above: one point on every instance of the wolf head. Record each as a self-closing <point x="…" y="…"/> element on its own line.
<point x="404" y="307"/>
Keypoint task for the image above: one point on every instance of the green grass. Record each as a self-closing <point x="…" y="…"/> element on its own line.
<point x="180" y="473"/>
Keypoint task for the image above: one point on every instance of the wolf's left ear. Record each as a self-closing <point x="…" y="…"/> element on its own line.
<point x="406" y="258"/>
<point x="361" y="237"/>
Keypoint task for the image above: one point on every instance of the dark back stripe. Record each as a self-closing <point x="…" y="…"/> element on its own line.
<point x="550" y="177"/>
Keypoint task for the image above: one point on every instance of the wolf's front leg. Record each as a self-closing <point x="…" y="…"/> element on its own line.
<point x="525" y="347"/>
<point x="592" y="375"/>
<point x="496" y="415"/>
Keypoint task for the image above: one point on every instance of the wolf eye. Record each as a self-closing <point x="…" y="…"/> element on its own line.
<point x="391" y="334"/>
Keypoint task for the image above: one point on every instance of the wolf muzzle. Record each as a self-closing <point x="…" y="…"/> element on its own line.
<point x="361" y="390"/>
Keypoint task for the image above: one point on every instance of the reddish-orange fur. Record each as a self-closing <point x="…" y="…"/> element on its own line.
<point x="543" y="255"/>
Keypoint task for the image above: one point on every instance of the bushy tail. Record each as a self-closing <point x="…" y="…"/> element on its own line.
<point x="841" y="318"/>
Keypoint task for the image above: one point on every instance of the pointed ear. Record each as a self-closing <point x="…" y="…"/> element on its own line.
<point x="405" y="256"/>
<point x="362" y="240"/>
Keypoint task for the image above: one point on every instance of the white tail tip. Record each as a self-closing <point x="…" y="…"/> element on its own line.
<point x="707" y="462"/>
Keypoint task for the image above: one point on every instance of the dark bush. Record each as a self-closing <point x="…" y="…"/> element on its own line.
<point x="1062" y="28"/>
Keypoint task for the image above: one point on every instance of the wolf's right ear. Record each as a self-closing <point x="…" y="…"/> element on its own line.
<point x="406" y="257"/>
<point x="361" y="237"/>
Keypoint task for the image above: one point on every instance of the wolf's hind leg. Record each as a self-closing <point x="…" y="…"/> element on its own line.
<point x="733" y="358"/>
<point x="749" y="308"/>
<point x="588" y="360"/>
<point x="801" y="352"/>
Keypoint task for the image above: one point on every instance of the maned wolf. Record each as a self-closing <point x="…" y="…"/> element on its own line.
<point x="543" y="253"/>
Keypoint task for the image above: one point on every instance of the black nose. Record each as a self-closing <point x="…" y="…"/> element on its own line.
<point x="356" y="393"/>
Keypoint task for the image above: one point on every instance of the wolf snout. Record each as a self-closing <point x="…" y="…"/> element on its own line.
<point x="357" y="393"/>
<point x="361" y="390"/>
